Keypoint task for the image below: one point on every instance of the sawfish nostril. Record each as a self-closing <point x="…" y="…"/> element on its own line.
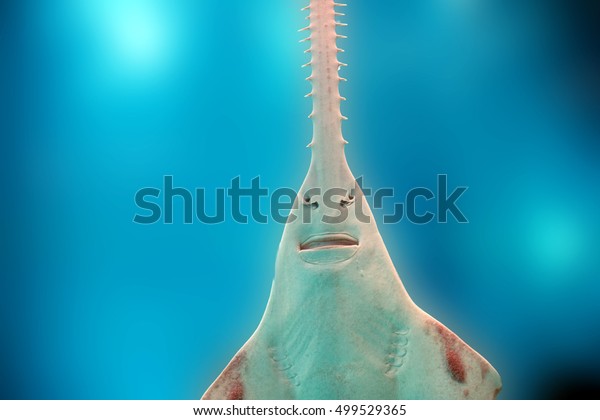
<point x="313" y="204"/>
<point x="349" y="201"/>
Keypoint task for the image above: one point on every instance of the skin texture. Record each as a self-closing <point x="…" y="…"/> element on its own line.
<point x="339" y="323"/>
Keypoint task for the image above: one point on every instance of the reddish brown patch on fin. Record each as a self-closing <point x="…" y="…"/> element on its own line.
<point x="237" y="391"/>
<point x="232" y="376"/>
<point x="454" y="362"/>
<point x="466" y="393"/>
<point x="455" y="365"/>
<point x="229" y="385"/>
<point x="496" y="392"/>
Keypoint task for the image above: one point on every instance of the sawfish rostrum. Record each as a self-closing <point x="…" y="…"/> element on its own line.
<point x="339" y="323"/>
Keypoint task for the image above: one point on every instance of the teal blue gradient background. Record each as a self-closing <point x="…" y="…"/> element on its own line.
<point x="102" y="98"/>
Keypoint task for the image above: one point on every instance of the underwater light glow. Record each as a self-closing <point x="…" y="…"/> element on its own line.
<point x="140" y="37"/>
<point x="558" y="245"/>
<point x="134" y="38"/>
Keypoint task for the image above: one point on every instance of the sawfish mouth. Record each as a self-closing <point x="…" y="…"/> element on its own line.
<point x="328" y="248"/>
<point x="328" y="241"/>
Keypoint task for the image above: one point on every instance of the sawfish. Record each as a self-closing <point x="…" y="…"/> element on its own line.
<point x="339" y="323"/>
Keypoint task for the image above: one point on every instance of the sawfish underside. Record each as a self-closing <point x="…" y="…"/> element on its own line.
<point x="339" y="323"/>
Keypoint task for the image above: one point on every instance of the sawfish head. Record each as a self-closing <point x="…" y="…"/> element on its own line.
<point x="326" y="226"/>
<point x="330" y="237"/>
<point x="330" y="222"/>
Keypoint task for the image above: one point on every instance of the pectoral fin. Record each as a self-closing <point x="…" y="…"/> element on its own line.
<point x="463" y="373"/>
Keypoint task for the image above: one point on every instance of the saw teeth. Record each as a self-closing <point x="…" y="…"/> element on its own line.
<point x="315" y="26"/>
